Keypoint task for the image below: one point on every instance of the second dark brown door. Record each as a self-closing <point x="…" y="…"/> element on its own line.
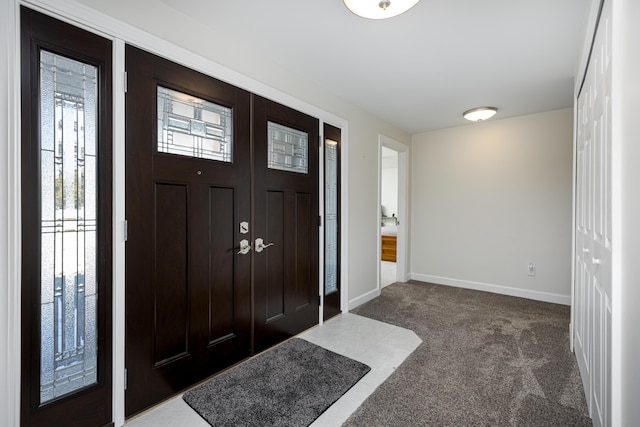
<point x="286" y="215"/>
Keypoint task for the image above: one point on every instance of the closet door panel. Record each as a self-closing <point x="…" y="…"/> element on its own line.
<point x="593" y="275"/>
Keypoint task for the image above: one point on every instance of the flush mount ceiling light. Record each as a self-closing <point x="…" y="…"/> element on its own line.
<point x="379" y="9"/>
<point x="480" y="114"/>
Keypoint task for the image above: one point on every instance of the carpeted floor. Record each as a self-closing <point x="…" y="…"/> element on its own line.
<point x="485" y="360"/>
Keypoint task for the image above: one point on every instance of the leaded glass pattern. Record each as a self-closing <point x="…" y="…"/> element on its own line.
<point x="331" y="217"/>
<point x="193" y="127"/>
<point x="288" y="148"/>
<point x="68" y="162"/>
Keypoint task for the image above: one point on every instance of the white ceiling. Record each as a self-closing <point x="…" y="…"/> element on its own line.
<point x="422" y="69"/>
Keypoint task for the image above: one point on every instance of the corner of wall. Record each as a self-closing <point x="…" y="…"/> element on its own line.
<point x="358" y="301"/>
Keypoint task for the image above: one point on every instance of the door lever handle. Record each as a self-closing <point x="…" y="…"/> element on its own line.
<point x="244" y="247"/>
<point x="260" y="245"/>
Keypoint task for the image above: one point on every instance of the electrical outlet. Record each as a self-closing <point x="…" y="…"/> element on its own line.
<point x="531" y="269"/>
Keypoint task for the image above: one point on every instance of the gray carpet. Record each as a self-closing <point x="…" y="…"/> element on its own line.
<point x="485" y="360"/>
<point x="289" y="385"/>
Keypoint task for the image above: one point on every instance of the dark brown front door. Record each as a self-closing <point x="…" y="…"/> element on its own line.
<point x="66" y="224"/>
<point x="212" y="169"/>
<point x="188" y="190"/>
<point x="286" y="217"/>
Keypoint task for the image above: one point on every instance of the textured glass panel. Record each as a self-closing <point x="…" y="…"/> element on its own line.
<point x="88" y="209"/>
<point x="193" y="127"/>
<point x="47" y="359"/>
<point x="288" y="148"/>
<point x="331" y="216"/>
<point x="48" y="178"/>
<point x="68" y="240"/>
<point x="47" y="104"/>
<point x="90" y="277"/>
<point x="90" y="342"/>
<point x="47" y="273"/>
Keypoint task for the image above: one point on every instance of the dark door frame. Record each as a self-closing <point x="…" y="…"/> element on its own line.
<point x="332" y="303"/>
<point x="91" y="404"/>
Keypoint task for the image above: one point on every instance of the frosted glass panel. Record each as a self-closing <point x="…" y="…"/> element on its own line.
<point x="193" y="127"/>
<point x="68" y="149"/>
<point x="288" y="148"/>
<point x="331" y="217"/>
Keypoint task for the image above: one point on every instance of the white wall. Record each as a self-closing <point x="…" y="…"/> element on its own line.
<point x="626" y="136"/>
<point x="389" y="184"/>
<point x="489" y="198"/>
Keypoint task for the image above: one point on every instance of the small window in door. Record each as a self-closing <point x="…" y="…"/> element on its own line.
<point x="194" y="127"/>
<point x="288" y="148"/>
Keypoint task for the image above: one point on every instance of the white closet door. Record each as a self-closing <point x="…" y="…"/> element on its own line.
<point x="592" y="297"/>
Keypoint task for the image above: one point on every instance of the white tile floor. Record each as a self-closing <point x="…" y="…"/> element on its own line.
<point x="381" y="346"/>
<point x="387" y="273"/>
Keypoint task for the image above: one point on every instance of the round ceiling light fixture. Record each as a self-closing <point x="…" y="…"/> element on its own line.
<point x="480" y="114"/>
<point x="379" y="9"/>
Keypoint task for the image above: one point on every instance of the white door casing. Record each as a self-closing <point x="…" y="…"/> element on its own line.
<point x="593" y="277"/>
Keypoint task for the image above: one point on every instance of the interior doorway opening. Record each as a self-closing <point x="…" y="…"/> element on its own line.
<point x="388" y="215"/>
<point x="393" y="223"/>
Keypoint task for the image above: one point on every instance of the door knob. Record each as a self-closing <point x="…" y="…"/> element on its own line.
<point x="244" y="247"/>
<point x="260" y="245"/>
<point x="595" y="261"/>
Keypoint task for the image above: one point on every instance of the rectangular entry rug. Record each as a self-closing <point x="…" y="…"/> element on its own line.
<point x="289" y="385"/>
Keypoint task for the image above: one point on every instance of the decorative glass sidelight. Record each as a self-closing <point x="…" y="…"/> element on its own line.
<point x="68" y="180"/>
<point x="191" y="126"/>
<point x="331" y="216"/>
<point x="288" y="148"/>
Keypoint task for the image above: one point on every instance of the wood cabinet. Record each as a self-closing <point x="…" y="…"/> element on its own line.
<point x="389" y="248"/>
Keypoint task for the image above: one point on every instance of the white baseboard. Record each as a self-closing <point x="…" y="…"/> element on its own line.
<point x="363" y="298"/>
<point x="496" y="289"/>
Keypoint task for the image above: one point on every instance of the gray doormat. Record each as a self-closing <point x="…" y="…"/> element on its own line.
<point x="290" y="385"/>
